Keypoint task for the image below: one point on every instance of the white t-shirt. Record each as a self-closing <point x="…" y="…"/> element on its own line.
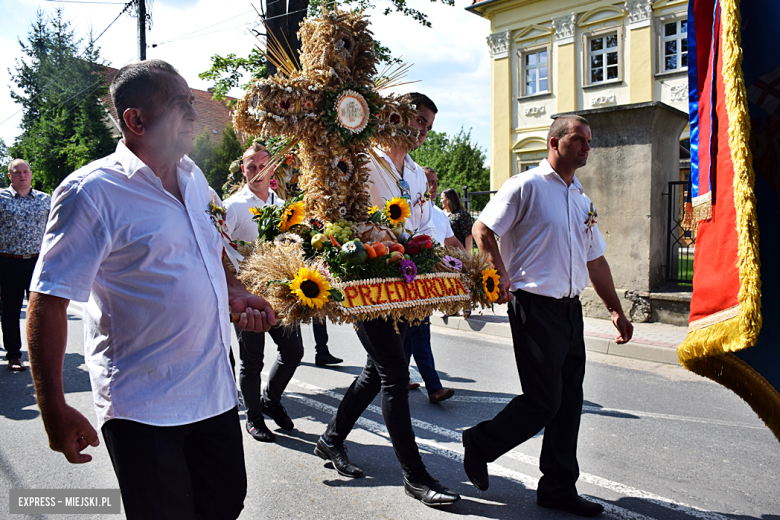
<point x="442" y="225"/>
<point x="239" y="219"/>
<point x="545" y="240"/>
<point x="383" y="188"/>
<point x="156" y="318"/>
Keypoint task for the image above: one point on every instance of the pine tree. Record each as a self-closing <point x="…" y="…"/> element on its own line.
<point x="60" y="86"/>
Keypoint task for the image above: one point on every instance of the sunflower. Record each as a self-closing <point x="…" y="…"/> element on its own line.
<point x="291" y="216"/>
<point x="490" y="284"/>
<point x="254" y="211"/>
<point x="397" y="210"/>
<point x="372" y="210"/>
<point x="311" y="287"/>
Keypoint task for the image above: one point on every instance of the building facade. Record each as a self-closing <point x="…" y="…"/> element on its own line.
<point x="554" y="56"/>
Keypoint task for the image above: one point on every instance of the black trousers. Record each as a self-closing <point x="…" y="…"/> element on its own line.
<point x="179" y="472"/>
<point x="386" y="370"/>
<point x="15" y="276"/>
<point x="251" y="346"/>
<point x="550" y="353"/>
<point x="320" y="329"/>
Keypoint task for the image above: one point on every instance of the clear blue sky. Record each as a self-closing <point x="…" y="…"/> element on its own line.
<point x="451" y="59"/>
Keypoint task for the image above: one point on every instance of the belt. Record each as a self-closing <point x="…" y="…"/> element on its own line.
<point x="566" y="300"/>
<point x="26" y="257"/>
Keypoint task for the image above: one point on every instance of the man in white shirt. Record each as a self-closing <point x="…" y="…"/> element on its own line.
<point x="418" y="337"/>
<point x="257" y="193"/>
<point x="387" y="368"/>
<point x="550" y="245"/>
<point x="130" y="235"/>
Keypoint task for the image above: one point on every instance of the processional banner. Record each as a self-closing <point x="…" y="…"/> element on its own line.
<point x="734" y="94"/>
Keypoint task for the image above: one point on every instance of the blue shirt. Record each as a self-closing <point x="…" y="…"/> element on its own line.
<point x="22" y="221"/>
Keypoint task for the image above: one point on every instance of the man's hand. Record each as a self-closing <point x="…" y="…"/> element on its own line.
<point x="625" y="328"/>
<point x="504" y="295"/>
<point x="70" y="433"/>
<point x="486" y="242"/>
<point x="256" y="313"/>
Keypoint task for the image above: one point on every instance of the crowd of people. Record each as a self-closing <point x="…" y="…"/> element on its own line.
<point x="129" y="235"/>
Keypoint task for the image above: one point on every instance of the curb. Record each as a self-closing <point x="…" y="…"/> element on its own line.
<point x="634" y="349"/>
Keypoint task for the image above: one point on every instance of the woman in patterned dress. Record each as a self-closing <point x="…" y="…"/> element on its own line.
<point x="460" y="219"/>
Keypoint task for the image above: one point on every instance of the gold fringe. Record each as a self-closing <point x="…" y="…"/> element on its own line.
<point x="714" y="340"/>
<point x="744" y="177"/>
<point x="739" y="377"/>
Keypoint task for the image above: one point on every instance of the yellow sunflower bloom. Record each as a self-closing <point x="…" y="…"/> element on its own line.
<point x="397" y="210"/>
<point x="490" y="284"/>
<point x="311" y="287"/>
<point x="254" y="211"/>
<point x="292" y="216"/>
<point x="372" y="210"/>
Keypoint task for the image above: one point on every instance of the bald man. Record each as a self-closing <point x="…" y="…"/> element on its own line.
<point x="23" y="215"/>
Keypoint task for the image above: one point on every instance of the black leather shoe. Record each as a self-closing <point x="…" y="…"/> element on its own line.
<point x="338" y="456"/>
<point x="474" y="465"/>
<point x="430" y="491"/>
<point x="277" y="412"/>
<point x="575" y="505"/>
<point x="259" y="431"/>
<point x="325" y="359"/>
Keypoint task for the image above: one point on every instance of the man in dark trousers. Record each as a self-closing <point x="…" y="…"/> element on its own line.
<point x="550" y="246"/>
<point x="386" y="369"/>
<point x="23" y="215"/>
<point x="131" y="235"/>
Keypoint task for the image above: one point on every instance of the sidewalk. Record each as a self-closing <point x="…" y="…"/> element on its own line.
<point x="655" y="342"/>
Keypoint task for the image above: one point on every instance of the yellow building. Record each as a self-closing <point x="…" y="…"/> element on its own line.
<point x="553" y="56"/>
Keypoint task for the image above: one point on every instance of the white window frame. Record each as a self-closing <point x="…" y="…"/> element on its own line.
<point x="662" y="39"/>
<point x="586" y="54"/>
<point x="521" y="70"/>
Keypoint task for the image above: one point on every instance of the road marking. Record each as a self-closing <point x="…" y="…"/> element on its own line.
<point x="527" y="481"/>
<point x="614" y="411"/>
<point x="76" y="309"/>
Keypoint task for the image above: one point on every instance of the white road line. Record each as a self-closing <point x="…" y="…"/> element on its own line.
<point x="496" y="469"/>
<point x="76" y="309"/>
<point x="597" y="409"/>
<point x="527" y="481"/>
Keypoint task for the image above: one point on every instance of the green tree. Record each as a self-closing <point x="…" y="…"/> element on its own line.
<point x="226" y="71"/>
<point x="59" y="87"/>
<point x="4" y="160"/>
<point x="458" y="161"/>
<point x="214" y="159"/>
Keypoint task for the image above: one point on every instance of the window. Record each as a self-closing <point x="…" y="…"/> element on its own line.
<point x="603" y="58"/>
<point x="534" y="71"/>
<point x="674" y="45"/>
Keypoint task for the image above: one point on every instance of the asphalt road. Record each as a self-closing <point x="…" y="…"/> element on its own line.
<point x="655" y="442"/>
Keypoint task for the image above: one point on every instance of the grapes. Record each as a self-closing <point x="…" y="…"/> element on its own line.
<point x="341" y="230"/>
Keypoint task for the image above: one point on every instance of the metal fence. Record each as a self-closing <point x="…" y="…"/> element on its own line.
<point x="475" y="201"/>
<point x="680" y="243"/>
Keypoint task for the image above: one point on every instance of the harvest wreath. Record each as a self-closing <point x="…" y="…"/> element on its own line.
<point x="326" y="252"/>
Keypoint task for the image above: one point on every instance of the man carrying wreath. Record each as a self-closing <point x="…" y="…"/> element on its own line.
<point x="403" y="181"/>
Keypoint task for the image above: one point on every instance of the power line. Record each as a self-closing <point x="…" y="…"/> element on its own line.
<point x="202" y="29"/>
<point x="127" y="6"/>
<point x="84" y="2"/>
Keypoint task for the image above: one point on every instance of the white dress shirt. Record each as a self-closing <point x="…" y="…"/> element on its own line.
<point x="239" y="218"/>
<point x="545" y="240"/>
<point x="156" y="318"/>
<point x="442" y="224"/>
<point x="383" y="188"/>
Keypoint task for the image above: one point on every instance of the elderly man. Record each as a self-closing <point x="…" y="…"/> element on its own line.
<point x="23" y="214"/>
<point x="130" y="234"/>
<point x="550" y="245"/>
<point x="418" y="337"/>
<point x="387" y="369"/>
